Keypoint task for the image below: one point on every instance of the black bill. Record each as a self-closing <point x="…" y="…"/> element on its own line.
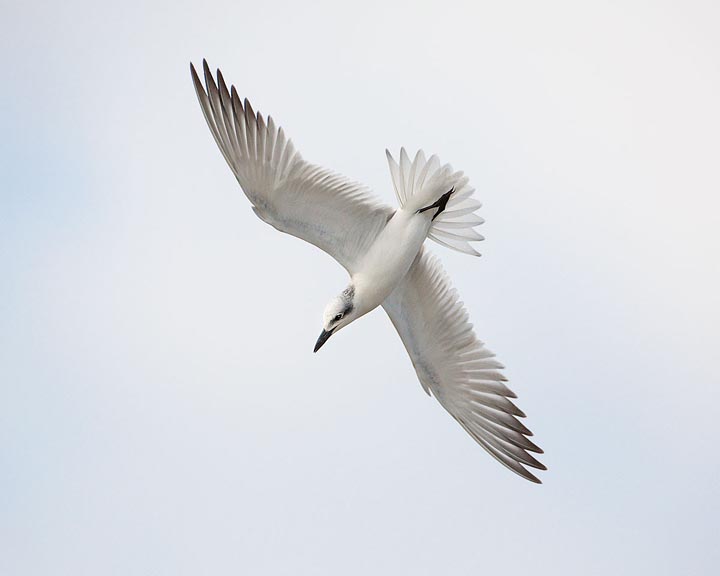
<point x="324" y="335"/>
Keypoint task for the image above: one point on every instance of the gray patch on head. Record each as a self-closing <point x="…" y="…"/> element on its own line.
<point x="348" y="294"/>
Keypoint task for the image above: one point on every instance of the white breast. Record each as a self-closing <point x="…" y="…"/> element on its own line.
<point x="390" y="257"/>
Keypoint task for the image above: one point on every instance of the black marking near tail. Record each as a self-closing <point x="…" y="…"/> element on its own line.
<point x="440" y="204"/>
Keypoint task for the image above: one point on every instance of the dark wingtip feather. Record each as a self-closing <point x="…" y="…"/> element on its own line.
<point x="220" y="79"/>
<point x="236" y="104"/>
<point x="208" y="75"/>
<point x="196" y="81"/>
<point x="527" y="475"/>
<point x="533" y="478"/>
<point x="532" y="447"/>
<point x="248" y="108"/>
<point x="193" y="72"/>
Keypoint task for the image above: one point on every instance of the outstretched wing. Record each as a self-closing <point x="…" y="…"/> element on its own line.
<point x="336" y="215"/>
<point x="455" y="366"/>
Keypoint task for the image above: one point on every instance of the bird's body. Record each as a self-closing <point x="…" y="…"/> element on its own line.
<point x="383" y="251"/>
<point x="389" y="258"/>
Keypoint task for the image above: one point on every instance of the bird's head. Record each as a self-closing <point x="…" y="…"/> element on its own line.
<point x="339" y="312"/>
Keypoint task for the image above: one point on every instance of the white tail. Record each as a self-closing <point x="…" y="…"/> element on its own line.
<point x="422" y="182"/>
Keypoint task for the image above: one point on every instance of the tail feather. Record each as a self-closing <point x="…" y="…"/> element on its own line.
<point x="467" y="221"/>
<point x="461" y="246"/>
<point x="467" y="234"/>
<point x="424" y="183"/>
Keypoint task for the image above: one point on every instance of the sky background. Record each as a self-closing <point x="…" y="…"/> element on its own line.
<point x="161" y="411"/>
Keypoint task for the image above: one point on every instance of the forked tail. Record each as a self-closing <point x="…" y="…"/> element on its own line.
<point x="423" y="185"/>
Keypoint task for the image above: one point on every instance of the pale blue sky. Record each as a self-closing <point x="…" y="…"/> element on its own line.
<point x="161" y="411"/>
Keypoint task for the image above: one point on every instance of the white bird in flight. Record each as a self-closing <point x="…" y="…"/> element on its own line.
<point x="382" y="250"/>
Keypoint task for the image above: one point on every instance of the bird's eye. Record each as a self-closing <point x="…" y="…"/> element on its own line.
<point x="338" y="317"/>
